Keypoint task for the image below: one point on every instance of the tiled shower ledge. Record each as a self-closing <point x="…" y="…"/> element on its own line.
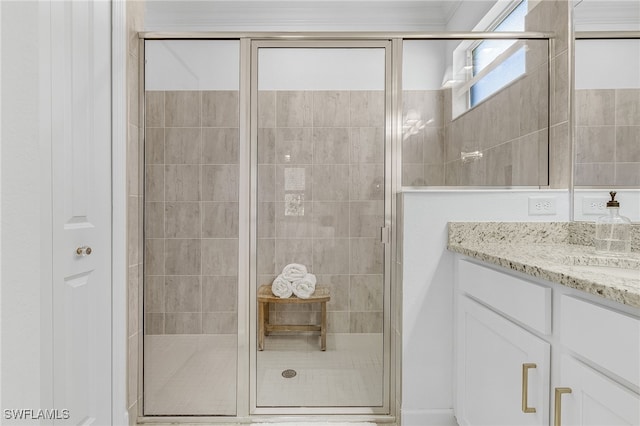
<point x="550" y="251"/>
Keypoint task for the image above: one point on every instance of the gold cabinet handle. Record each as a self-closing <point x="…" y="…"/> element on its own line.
<point x="525" y="388"/>
<point x="557" y="419"/>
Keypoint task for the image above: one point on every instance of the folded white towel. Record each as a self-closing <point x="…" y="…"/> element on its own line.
<point x="304" y="287"/>
<point x="294" y="271"/>
<point x="281" y="287"/>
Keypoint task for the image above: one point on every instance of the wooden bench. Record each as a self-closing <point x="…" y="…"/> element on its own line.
<point x="265" y="296"/>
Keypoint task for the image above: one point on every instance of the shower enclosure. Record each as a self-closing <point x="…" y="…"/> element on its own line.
<point x="269" y="151"/>
<point x="227" y="208"/>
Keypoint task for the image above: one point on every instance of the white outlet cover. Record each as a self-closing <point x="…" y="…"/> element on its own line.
<point x="594" y="205"/>
<point x="542" y="206"/>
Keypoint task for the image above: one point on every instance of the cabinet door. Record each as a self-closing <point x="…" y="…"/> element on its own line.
<point x="490" y="381"/>
<point x="595" y="400"/>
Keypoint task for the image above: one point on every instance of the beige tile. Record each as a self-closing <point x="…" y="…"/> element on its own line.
<point x="132" y="300"/>
<point x="331" y="256"/>
<point x="133" y="248"/>
<point x="267" y="183"/>
<point x="220" y="145"/>
<point x="526" y="158"/>
<point x="331" y="109"/>
<point x="154" y="183"/>
<point x="591" y="174"/>
<point x="434" y="174"/>
<point x="330" y="182"/>
<point x="628" y="107"/>
<point x="183" y="323"/>
<point x="294" y="224"/>
<point x="628" y="144"/>
<point x="154" y="257"/>
<point x="266" y="108"/>
<point x="534" y="102"/>
<point x="220" y="183"/>
<point x="154" y="109"/>
<point x="132" y="89"/>
<point x="537" y="54"/>
<point x="154" y="220"/>
<point x="182" y="109"/>
<point x="133" y="157"/>
<point x="220" y="108"/>
<point x="331" y="219"/>
<point x="220" y="323"/>
<point x="220" y="257"/>
<point x="182" y="220"/>
<point x="425" y="105"/>
<point x="560" y="89"/>
<point x="595" y="107"/>
<point x="182" y="183"/>
<point x="294" y="146"/>
<point x="433" y="145"/>
<point x="339" y="289"/>
<point x="266" y="146"/>
<point x="452" y="173"/>
<point x="366" y="293"/>
<point x="154" y="146"/>
<point x="135" y="18"/>
<point x="183" y="145"/>
<point x="182" y="256"/>
<point x="475" y="173"/>
<point x="132" y="370"/>
<point x="338" y="322"/>
<point x="293" y="108"/>
<point x="266" y="263"/>
<point x="220" y="220"/>
<point x="331" y="145"/>
<point x="559" y="156"/>
<point x="154" y="294"/>
<point x="294" y="251"/>
<point x="453" y="135"/>
<point x="366" y="322"/>
<point x="266" y="219"/>
<point x="627" y="174"/>
<point x="595" y="144"/>
<point x="499" y="165"/>
<point x="291" y="180"/>
<point x="366" y="218"/>
<point x="154" y="323"/>
<point x="509" y="112"/>
<point x="367" y="182"/>
<point x="219" y="294"/>
<point x="367" y="145"/>
<point x="413" y="174"/>
<point x="182" y="294"/>
<point x="413" y="149"/>
<point x="366" y="256"/>
<point x="366" y="108"/>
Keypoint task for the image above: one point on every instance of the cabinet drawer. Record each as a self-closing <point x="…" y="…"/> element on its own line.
<point x="520" y="299"/>
<point x="606" y="337"/>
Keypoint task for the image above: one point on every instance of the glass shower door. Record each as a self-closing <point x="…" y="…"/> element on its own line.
<point x="191" y="227"/>
<point x="321" y="204"/>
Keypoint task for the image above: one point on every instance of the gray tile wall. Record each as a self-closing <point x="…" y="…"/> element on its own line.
<point x="191" y="212"/>
<point x="320" y="200"/>
<point x="607" y="137"/>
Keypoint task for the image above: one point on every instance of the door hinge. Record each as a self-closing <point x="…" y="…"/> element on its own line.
<point x="385" y="235"/>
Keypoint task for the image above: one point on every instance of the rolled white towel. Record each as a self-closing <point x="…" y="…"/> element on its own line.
<point x="294" y="271"/>
<point x="281" y="287"/>
<point x="304" y="287"/>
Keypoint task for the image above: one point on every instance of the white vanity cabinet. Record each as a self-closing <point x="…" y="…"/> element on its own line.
<point x="514" y="365"/>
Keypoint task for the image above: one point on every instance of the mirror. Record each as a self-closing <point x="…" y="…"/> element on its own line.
<point x="607" y="107"/>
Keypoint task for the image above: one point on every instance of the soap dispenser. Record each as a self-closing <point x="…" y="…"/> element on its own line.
<point x="613" y="232"/>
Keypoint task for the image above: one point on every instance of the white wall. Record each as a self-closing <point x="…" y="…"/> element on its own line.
<point x="423" y="64"/>
<point x="607" y="64"/>
<point x="24" y="210"/>
<point x="427" y="287"/>
<point x="629" y="203"/>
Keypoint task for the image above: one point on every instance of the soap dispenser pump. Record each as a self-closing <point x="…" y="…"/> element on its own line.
<point x="613" y="232"/>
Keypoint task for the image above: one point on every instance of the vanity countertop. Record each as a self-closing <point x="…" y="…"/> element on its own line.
<point x="549" y="251"/>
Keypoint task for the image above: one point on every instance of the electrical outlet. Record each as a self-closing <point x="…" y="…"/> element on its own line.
<point x="594" y="205"/>
<point x="542" y="205"/>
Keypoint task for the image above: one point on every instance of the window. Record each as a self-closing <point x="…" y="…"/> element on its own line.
<point x="496" y="63"/>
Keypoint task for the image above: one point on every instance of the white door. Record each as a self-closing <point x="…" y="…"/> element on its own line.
<point x="490" y="383"/>
<point x="595" y="400"/>
<point x="81" y="186"/>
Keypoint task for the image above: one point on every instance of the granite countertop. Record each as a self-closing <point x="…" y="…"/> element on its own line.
<point x="555" y="252"/>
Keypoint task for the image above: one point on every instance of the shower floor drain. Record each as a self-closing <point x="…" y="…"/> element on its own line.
<point x="287" y="374"/>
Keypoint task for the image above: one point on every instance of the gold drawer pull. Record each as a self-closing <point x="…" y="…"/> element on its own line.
<point x="558" y="405"/>
<point x="525" y="388"/>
